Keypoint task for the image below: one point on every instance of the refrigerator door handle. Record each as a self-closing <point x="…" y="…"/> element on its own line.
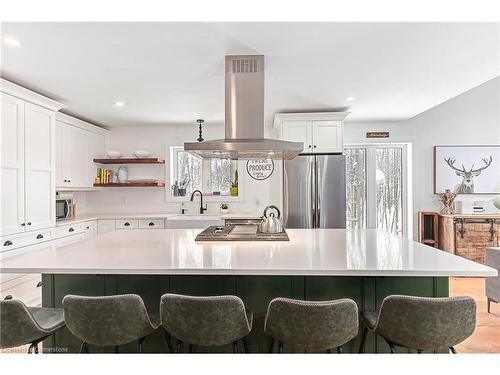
<point x="312" y="168"/>
<point x="318" y="195"/>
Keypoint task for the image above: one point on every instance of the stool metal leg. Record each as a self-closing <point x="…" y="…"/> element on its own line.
<point x="328" y="351"/>
<point x="179" y="346"/>
<point x="339" y="349"/>
<point x="168" y="340"/>
<point x="453" y="350"/>
<point x="391" y="345"/>
<point x="84" y="348"/>
<point x="235" y="346"/>
<point x="363" y="339"/>
<point x="245" y="345"/>
<point x="271" y="346"/>
<point x="280" y="347"/>
<point x="419" y="351"/>
<point x="139" y="344"/>
<point x="190" y="348"/>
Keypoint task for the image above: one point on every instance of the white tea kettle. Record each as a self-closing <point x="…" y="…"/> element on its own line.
<point x="270" y="223"/>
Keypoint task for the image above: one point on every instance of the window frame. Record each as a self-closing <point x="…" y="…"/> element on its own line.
<point x="170" y="177"/>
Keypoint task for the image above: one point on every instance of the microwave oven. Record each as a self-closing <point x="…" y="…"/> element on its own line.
<point x="64" y="209"/>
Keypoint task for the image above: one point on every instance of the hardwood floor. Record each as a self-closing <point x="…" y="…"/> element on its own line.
<point x="486" y="337"/>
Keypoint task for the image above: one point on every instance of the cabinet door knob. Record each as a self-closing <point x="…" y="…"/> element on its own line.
<point x="29" y="223"/>
<point x="7" y="243"/>
<point x="151" y="224"/>
<point x="71" y="230"/>
<point x="87" y="227"/>
<point x="309" y="146"/>
<point x="127" y="224"/>
<point x="8" y="297"/>
<point x="314" y="146"/>
<point x="23" y="224"/>
<point x="39" y="237"/>
<point x="39" y="284"/>
<point x="70" y="180"/>
<point x="65" y="180"/>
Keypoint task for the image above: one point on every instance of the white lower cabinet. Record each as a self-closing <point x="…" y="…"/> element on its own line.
<point x="70" y="239"/>
<point x="23" y="287"/>
<point x="74" y="232"/>
<point x="127" y="224"/>
<point x="151" y="224"/>
<point x="105" y="226"/>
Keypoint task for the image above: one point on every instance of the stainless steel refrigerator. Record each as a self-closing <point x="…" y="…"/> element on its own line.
<point x="314" y="192"/>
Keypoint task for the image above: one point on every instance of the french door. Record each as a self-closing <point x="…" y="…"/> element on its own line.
<point x="376" y="187"/>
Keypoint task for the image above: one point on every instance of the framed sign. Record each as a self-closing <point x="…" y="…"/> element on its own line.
<point x="467" y="169"/>
<point x="260" y="169"/>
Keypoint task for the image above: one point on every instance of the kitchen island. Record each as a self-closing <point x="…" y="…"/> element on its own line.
<point x="316" y="264"/>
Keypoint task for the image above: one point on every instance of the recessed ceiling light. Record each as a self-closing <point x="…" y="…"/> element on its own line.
<point x="350" y="98"/>
<point x="119" y="103"/>
<point x="12" y="42"/>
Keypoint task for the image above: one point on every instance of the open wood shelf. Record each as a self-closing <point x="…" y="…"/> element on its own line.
<point x="130" y="161"/>
<point x="133" y="184"/>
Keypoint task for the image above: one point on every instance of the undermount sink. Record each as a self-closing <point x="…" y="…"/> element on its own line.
<point x="193" y="221"/>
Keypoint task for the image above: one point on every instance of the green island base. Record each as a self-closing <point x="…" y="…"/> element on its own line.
<point x="255" y="291"/>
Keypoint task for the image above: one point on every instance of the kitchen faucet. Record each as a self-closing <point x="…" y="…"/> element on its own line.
<point x="202" y="209"/>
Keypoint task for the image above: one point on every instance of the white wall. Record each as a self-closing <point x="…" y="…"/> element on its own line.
<point x="156" y="139"/>
<point x="472" y="118"/>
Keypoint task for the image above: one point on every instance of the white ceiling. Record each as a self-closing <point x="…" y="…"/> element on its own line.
<point x="171" y="73"/>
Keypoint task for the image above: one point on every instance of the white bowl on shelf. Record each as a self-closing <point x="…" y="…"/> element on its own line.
<point x="114" y="154"/>
<point x="141" y="154"/>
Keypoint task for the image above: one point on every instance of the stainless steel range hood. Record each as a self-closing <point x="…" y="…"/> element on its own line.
<point x="244" y="137"/>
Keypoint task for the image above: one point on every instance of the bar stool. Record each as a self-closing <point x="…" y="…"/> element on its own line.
<point x="21" y="325"/>
<point x="422" y="323"/>
<point x="311" y="326"/>
<point x="205" y="321"/>
<point x="108" y="321"/>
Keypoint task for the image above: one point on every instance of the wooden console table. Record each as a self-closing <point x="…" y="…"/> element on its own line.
<point x="468" y="236"/>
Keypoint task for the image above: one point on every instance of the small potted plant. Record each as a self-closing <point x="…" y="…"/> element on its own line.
<point x="182" y="186"/>
<point x="234" y="185"/>
<point x="224" y="208"/>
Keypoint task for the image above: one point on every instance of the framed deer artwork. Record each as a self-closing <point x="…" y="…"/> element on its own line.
<point x="467" y="169"/>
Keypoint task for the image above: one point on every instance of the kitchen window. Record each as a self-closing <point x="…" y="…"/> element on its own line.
<point x="214" y="177"/>
<point x="377" y="187"/>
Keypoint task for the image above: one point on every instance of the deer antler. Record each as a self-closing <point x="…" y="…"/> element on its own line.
<point x="486" y="162"/>
<point x="451" y="163"/>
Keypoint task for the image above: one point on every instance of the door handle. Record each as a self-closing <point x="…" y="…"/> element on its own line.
<point x="71" y="230"/>
<point x="7" y="243"/>
<point x="151" y="224"/>
<point x="39" y="237"/>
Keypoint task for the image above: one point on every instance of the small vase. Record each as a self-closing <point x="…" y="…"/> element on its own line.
<point x="447" y="199"/>
<point x="234" y="191"/>
<point x="122" y="174"/>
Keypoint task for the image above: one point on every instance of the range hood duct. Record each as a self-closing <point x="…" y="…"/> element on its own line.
<point x="244" y="125"/>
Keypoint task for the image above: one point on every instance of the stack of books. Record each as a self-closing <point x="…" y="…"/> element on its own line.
<point x="104" y="176"/>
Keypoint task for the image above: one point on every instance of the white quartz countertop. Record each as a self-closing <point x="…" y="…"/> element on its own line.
<point x="90" y="217"/>
<point x="332" y="252"/>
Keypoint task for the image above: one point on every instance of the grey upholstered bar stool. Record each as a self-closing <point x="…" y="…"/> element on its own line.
<point x="108" y="321"/>
<point x="422" y="323"/>
<point x="21" y="325"/>
<point x="205" y="321"/>
<point x="492" y="259"/>
<point x="311" y="326"/>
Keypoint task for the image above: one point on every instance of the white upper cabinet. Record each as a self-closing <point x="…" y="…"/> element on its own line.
<point x="27" y="160"/>
<point x="78" y="143"/>
<point x="12" y="167"/>
<point x="39" y="141"/>
<point x="320" y="132"/>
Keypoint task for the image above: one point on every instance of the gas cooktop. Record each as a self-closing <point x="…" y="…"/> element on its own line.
<point x="242" y="232"/>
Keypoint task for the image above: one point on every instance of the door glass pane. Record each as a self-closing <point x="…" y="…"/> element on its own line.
<point x="389" y="185"/>
<point x="355" y="188"/>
